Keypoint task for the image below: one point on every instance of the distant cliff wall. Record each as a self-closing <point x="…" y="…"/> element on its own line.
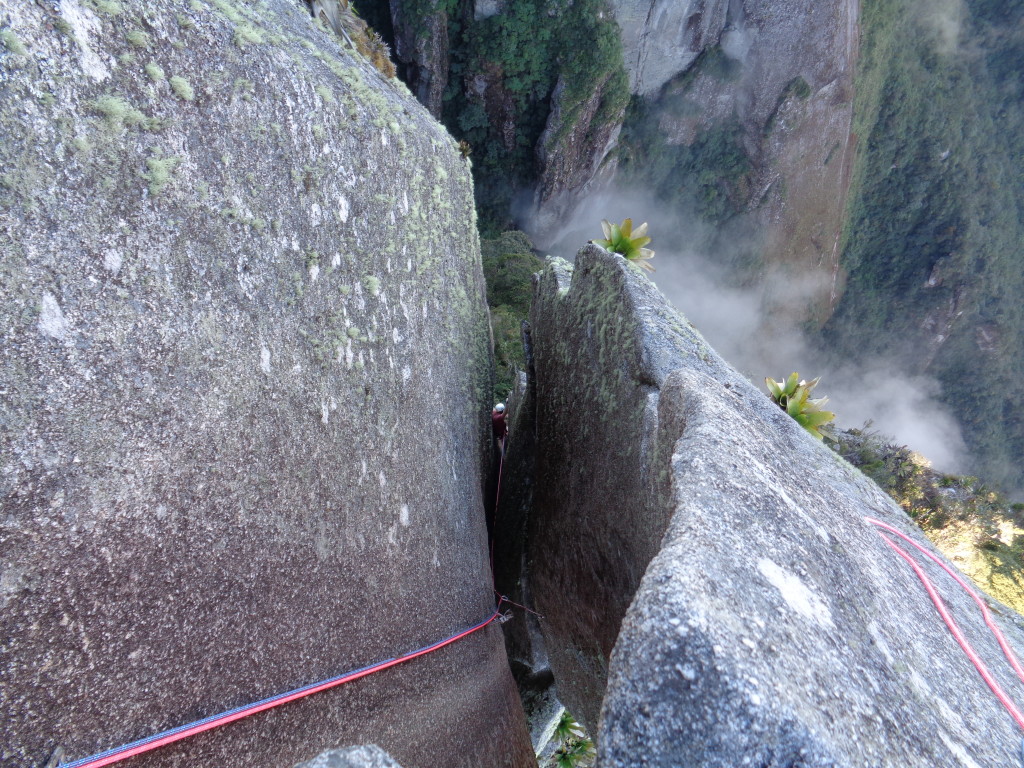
<point x="751" y="133"/>
<point x="540" y="94"/>
<point x="661" y="38"/>
<point x="245" y="371"/>
<point x="422" y="48"/>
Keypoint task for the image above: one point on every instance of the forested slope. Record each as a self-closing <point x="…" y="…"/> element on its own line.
<point x="933" y="242"/>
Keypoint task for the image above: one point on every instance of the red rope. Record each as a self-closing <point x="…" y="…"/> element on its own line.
<point x="497" y="499"/>
<point x="164" y="738"/>
<point x="986" y="614"/>
<point x="169" y="737"/>
<point x="948" y="619"/>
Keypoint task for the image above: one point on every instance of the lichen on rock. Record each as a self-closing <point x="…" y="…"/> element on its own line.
<point x="214" y="490"/>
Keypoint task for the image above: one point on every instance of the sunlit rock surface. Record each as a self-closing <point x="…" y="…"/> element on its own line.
<point x="370" y="756"/>
<point x="713" y="594"/>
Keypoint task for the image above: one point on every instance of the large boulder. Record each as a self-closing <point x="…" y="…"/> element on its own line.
<point x="713" y="593"/>
<point x="245" y="371"/>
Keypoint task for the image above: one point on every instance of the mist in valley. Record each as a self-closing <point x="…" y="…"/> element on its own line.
<point x="755" y="321"/>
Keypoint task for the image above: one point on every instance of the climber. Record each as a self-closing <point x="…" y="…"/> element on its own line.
<point x="499" y="425"/>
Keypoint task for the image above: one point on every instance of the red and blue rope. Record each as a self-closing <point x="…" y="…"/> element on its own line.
<point x="164" y="738"/>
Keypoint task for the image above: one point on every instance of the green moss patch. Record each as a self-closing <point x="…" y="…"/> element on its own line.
<point x="182" y="88"/>
<point x="12" y="43"/>
<point x="155" y="72"/>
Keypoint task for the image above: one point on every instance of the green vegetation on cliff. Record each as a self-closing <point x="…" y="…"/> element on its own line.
<point x="933" y="242"/>
<point x="503" y="72"/>
<point x="975" y="527"/>
<point x="504" y="69"/>
<point x="509" y="263"/>
<point x="708" y="177"/>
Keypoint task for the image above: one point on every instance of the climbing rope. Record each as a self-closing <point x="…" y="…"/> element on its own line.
<point x="117" y="754"/>
<point x="150" y="743"/>
<point x="971" y="654"/>
<point x="497" y="500"/>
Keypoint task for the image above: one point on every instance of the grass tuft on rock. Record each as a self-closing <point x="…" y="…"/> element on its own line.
<point x="182" y="88"/>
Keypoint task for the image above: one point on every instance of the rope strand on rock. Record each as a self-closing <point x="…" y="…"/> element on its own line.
<point x="929" y="586"/>
<point x="117" y="754"/>
<point x="985" y="612"/>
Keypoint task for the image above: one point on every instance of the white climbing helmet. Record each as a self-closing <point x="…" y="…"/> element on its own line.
<point x="500" y="407"/>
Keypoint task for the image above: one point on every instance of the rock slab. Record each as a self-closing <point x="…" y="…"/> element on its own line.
<point x="366" y="756"/>
<point x="714" y="594"/>
<point x="245" y="373"/>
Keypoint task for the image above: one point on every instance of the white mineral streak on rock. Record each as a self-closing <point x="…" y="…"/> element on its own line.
<point x="264" y="359"/>
<point x="796" y="594"/>
<point x="959" y="751"/>
<point x="112" y="260"/>
<point x="84" y="23"/>
<point x="343" y="208"/>
<point x="52" y="322"/>
<point x="403" y="515"/>
<point x="661" y="38"/>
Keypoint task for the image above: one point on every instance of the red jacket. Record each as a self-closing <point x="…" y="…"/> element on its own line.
<point x="498" y="423"/>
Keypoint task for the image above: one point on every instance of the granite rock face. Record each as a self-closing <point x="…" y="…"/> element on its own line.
<point x="574" y="153"/>
<point x="421" y="47"/>
<point x="781" y="72"/>
<point x="778" y="76"/>
<point x="714" y="595"/>
<point x="661" y="38"/>
<point x="245" y="376"/>
<point x="367" y="756"/>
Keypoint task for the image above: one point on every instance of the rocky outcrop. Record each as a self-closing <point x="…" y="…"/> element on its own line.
<point x="370" y="756"/>
<point x="713" y="593"/>
<point x="245" y="375"/>
<point x="422" y="50"/>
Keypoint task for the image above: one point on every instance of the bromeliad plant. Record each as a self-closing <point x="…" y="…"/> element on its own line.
<point x="626" y="241"/>
<point x="577" y="749"/>
<point x="794" y="397"/>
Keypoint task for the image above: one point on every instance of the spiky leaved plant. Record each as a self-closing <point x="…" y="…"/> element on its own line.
<point x="575" y="753"/>
<point x="567" y="727"/>
<point x="626" y="241"/>
<point x="577" y="749"/>
<point x="794" y="397"/>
